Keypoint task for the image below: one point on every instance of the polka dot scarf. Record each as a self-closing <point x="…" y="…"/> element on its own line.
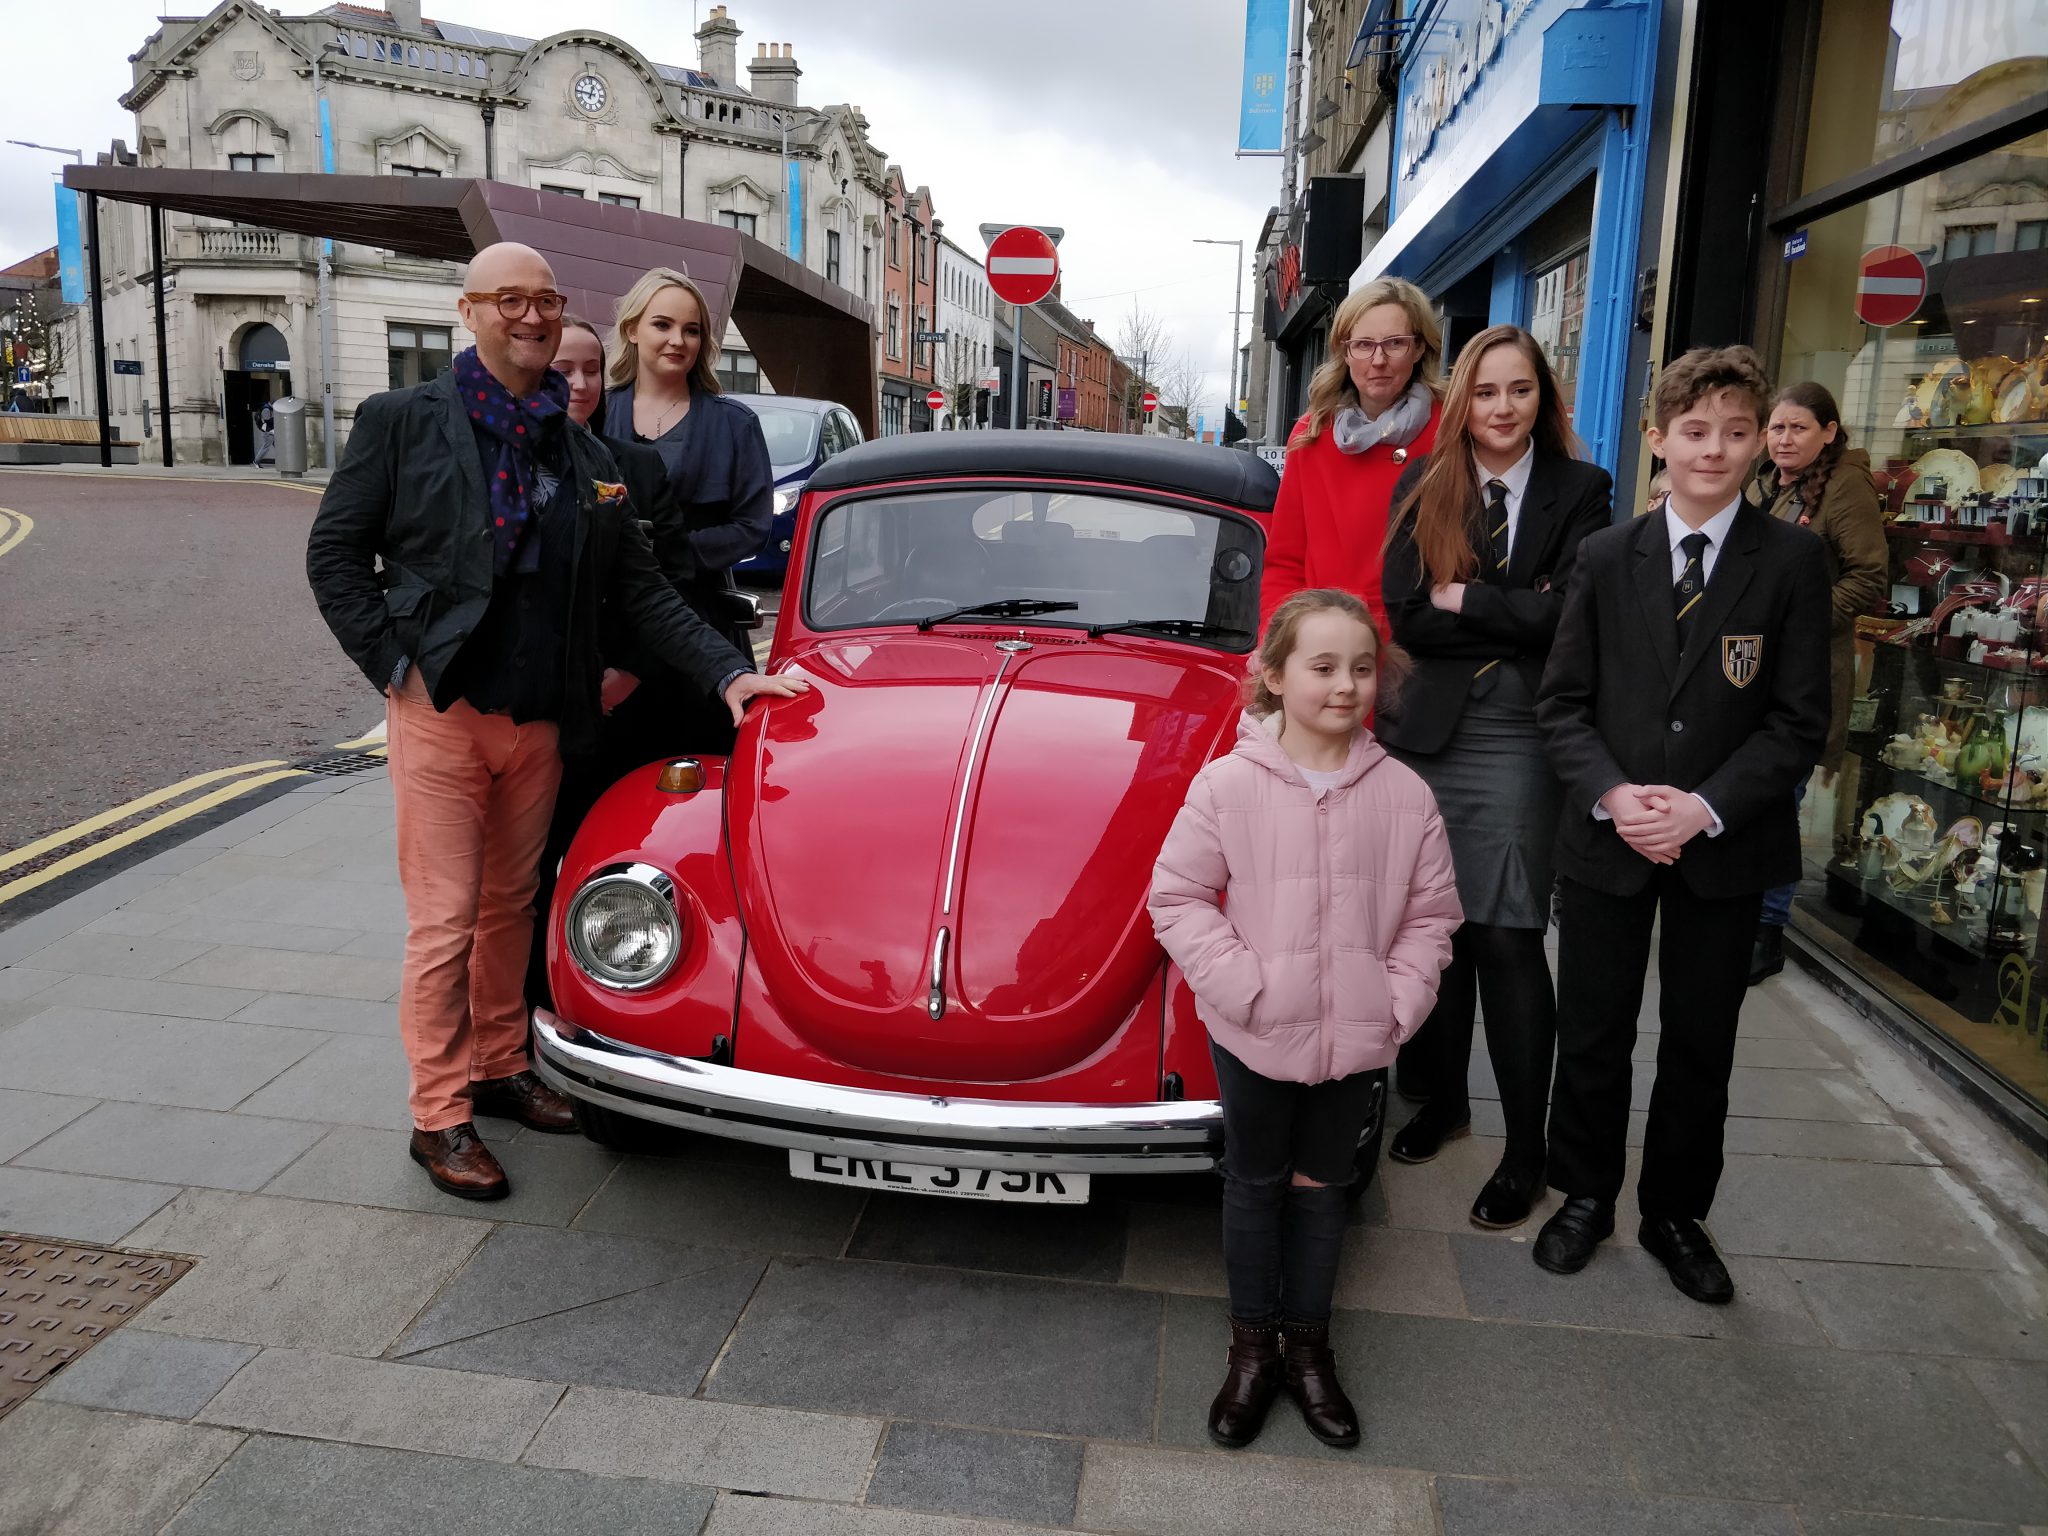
<point x="513" y="425"/>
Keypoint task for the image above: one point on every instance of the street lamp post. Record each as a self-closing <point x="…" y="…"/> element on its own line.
<point x="76" y="154"/>
<point x="326" y="295"/>
<point x="1236" y="311"/>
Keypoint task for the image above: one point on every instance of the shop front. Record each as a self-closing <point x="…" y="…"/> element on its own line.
<point x="1521" y="147"/>
<point x="1908" y="272"/>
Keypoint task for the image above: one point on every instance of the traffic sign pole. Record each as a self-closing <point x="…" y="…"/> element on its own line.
<point x="1023" y="267"/>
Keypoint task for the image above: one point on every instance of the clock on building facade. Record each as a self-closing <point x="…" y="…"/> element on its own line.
<point x="590" y="93"/>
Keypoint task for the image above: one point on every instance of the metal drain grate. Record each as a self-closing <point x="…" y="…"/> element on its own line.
<point x="336" y="764"/>
<point x="57" y="1300"/>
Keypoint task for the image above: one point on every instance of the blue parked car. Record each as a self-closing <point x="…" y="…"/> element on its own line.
<point x="802" y="434"/>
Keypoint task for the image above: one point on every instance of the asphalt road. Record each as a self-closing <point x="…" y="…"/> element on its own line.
<point x="155" y="629"/>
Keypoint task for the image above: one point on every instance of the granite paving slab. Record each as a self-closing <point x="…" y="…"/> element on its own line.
<point x="1927" y="1311"/>
<point x="1435" y="1394"/>
<point x="1824" y="1427"/>
<point x="2018" y="1395"/>
<point x="1437" y="1196"/>
<point x="1848" y="1141"/>
<point x="1862" y="1213"/>
<point x="338" y="1015"/>
<point x="197" y="1063"/>
<point x="135" y="1371"/>
<point x="1624" y="1288"/>
<point x="318" y="1488"/>
<point x="282" y="970"/>
<point x="552" y="1177"/>
<point x="1470" y="1507"/>
<point x="178" y="1146"/>
<point x="311" y="903"/>
<point x="72" y="1471"/>
<point x="26" y="1118"/>
<point x="382" y="1402"/>
<point x="724" y="1205"/>
<point x="1820" y="1522"/>
<point x="127" y="994"/>
<point x="302" y="1273"/>
<point x="257" y="933"/>
<point x="116" y="954"/>
<point x="18" y="982"/>
<point x="997" y="1350"/>
<point x="76" y="1206"/>
<point x="977" y="1472"/>
<point x="351" y="1079"/>
<point x="721" y="1445"/>
<point x="1767" y="1093"/>
<point x="745" y="1514"/>
<point x="1063" y="1242"/>
<point x="1176" y="1493"/>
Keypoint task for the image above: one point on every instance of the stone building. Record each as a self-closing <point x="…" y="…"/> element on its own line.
<point x="580" y="114"/>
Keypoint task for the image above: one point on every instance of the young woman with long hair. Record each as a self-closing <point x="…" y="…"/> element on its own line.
<point x="1372" y="407"/>
<point x="1811" y="476"/>
<point x="663" y="371"/>
<point x="1484" y="534"/>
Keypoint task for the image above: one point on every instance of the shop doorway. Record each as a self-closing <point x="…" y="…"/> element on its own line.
<point x="262" y="374"/>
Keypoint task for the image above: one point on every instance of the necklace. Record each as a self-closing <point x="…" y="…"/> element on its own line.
<point x="663" y="420"/>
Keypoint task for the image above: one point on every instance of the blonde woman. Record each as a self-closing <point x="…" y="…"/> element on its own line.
<point x="1372" y="407"/>
<point x="663" y="373"/>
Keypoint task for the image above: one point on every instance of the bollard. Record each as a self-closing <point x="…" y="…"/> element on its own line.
<point x="289" y="414"/>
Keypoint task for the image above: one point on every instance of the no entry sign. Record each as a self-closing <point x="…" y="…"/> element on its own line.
<point x="1149" y="403"/>
<point x="936" y="399"/>
<point x="1891" y="283"/>
<point x="1023" y="264"/>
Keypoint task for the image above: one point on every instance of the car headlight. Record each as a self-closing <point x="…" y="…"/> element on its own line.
<point x="623" y="929"/>
<point x="786" y="499"/>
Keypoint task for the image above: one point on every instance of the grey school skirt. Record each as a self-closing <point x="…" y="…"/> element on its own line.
<point x="1500" y="803"/>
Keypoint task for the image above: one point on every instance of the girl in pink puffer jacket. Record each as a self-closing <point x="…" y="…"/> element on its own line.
<point x="1341" y="906"/>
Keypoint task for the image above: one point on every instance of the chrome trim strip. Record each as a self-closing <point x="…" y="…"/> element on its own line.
<point x="789" y="1112"/>
<point x="935" y="1004"/>
<point x="995" y="687"/>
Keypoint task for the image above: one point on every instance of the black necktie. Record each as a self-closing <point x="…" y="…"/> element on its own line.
<point x="1691" y="585"/>
<point x="1497" y="521"/>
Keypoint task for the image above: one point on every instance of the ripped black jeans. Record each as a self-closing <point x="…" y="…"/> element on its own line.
<point x="1282" y="1240"/>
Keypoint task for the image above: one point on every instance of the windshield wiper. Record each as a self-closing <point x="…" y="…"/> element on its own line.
<point x="1196" y="629"/>
<point x="1001" y="608"/>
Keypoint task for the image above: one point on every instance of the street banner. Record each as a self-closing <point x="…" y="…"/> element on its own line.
<point x="796" y="213"/>
<point x="70" y="249"/>
<point x="1265" y="67"/>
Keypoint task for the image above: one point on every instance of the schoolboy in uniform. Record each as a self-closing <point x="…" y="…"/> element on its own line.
<point x="1685" y="696"/>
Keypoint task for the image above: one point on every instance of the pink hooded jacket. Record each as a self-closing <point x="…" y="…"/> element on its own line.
<point x="1340" y="914"/>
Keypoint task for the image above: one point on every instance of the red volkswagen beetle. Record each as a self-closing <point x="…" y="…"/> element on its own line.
<point x="901" y="931"/>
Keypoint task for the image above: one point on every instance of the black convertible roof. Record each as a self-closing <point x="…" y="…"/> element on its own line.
<point x="1228" y="475"/>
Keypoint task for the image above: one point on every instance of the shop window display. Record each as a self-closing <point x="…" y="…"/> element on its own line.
<point x="1927" y="859"/>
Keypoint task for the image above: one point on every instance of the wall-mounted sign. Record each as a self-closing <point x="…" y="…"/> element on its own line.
<point x="1795" y="245"/>
<point x="1453" y="74"/>
<point x="128" y="365"/>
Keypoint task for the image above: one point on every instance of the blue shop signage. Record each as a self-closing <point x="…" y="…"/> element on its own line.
<point x="1446" y="78"/>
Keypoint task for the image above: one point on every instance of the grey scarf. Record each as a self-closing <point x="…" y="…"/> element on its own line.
<point x="1397" y="424"/>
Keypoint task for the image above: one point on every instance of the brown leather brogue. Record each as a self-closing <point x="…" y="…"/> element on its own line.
<point x="1312" y="1383"/>
<point x="460" y="1164"/>
<point x="1251" y="1381"/>
<point x="525" y="1098"/>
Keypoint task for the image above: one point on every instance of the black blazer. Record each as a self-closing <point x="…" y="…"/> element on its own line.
<point x="1739" y="719"/>
<point x="399" y="557"/>
<point x="1510" y="620"/>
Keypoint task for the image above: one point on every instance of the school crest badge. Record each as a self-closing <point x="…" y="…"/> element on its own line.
<point x="1741" y="656"/>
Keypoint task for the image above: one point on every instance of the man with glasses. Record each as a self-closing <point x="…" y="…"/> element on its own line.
<point x="461" y="555"/>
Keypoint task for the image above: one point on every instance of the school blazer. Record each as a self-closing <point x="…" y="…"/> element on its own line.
<point x="1739" y="718"/>
<point x="1509" y="619"/>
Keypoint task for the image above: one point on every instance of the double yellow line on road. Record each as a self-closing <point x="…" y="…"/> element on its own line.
<point x="208" y="790"/>
<point x="14" y="528"/>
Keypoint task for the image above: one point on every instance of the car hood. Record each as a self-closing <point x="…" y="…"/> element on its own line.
<point x="1011" y="800"/>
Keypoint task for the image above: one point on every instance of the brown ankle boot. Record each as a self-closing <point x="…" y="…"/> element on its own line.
<point x="1312" y="1382"/>
<point x="525" y="1098"/>
<point x="459" y="1164"/>
<point x="1250" y="1384"/>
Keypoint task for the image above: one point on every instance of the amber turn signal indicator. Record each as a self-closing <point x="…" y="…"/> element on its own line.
<point x="681" y="776"/>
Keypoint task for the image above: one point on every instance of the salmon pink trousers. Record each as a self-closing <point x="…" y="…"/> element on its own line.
<point x="474" y="793"/>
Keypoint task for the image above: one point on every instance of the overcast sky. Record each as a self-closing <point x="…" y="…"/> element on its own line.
<point x="1116" y="121"/>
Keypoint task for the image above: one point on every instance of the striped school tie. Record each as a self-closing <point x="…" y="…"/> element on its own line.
<point x="1690" y="587"/>
<point x="1497" y="542"/>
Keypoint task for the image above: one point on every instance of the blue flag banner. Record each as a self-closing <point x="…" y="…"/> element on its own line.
<point x="796" y="212"/>
<point x="1265" y="67"/>
<point x="70" y="249"/>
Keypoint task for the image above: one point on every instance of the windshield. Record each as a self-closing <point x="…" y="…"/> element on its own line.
<point x="895" y="559"/>
<point x="792" y="433"/>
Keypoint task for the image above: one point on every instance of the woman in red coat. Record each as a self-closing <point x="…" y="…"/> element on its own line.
<point x="1372" y="407"/>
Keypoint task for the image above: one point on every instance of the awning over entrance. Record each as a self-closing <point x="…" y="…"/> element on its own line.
<point x="811" y="337"/>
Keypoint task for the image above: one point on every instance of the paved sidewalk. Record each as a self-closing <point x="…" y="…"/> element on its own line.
<point x="200" y="1057"/>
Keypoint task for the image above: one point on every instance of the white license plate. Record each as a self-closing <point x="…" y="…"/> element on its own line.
<point x="1021" y="1185"/>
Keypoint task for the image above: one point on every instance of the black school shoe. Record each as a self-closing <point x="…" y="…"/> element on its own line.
<point x="1767" y="957"/>
<point x="1423" y="1137"/>
<point x="1508" y="1199"/>
<point x="1566" y="1244"/>
<point x="1682" y="1246"/>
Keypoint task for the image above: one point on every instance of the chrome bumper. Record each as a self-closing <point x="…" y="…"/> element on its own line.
<point x="790" y="1112"/>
